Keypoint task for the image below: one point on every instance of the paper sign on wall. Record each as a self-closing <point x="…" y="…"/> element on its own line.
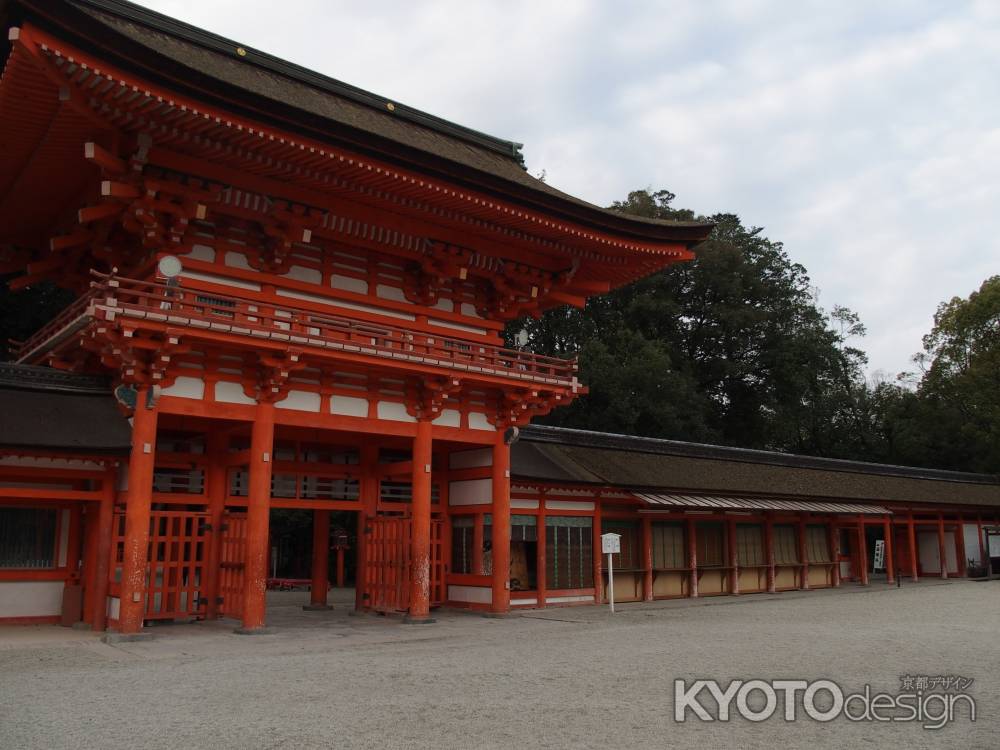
<point x="878" y="562"/>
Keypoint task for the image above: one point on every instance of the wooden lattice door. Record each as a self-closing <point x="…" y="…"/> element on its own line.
<point x="175" y="572"/>
<point x="232" y="564"/>
<point x="386" y="566"/>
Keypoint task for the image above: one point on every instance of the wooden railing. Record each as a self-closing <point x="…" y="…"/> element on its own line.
<point x="179" y="307"/>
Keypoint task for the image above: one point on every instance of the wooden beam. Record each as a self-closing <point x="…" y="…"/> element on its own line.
<point x="112" y="189"/>
<point x="65" y="241"/>
<point x="98" y="212"/>
<point x="104" y="159"/>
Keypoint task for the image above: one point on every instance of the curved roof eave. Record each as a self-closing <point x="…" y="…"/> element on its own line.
<point x="211" y="66"/>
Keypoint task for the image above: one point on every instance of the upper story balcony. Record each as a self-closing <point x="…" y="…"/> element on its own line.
<point x="206" y="319"/>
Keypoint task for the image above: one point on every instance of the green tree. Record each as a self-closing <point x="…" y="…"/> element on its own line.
<point x="960" y="389"/>
<point x="730" y="347"/>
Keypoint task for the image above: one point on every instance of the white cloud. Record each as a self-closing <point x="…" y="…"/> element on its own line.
<point x="866" y="136"/>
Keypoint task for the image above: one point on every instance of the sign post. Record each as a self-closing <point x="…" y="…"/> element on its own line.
<point x="878" y="562"/>
<point x="611" y="544"/>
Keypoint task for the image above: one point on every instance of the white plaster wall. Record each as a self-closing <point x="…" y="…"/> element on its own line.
<point x="470" y="492"/>
<point x="383" y="291"/>
<point x="478" y="421"/>
<point x="470" y="594"/>
<point x="349" y="284"/>
<point x="231" y="393"/>
<point x="237" y="260"/>
<point x="950" y="554"/>
<point x="349" y="406"/>
<point x="300" y="401"/>
<point x="394" y="411"/>
<point x="114" y="607"/>
<point x="186" y="387"/>
<point x="449" y="418"/>
<point x="30" y="598"/>
<point x="970" y="533"/>
<point x="201" y="252"/>
<point x="308" y="275"/>
<point x="929" y="551"/>
<point x="519" y="503"/>
<point x="568" y="599"/>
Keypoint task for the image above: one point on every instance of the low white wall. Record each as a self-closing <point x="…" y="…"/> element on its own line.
<point x="970" y="534"/>
<point x="470" y="594"/>
<point x="929" y="551"/>
<point x="30" y="598"/>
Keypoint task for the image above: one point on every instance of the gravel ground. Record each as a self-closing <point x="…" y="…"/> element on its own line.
<point x="572" y="677"/>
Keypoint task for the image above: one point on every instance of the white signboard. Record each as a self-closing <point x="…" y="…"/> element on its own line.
<point x="611" y="544"/>
<point x="879" y="561"/>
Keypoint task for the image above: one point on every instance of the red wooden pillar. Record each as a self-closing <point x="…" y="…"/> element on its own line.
<point x="139" y="500"/>
<point x="890" y="560"/>
<point x="983" y="559"/>
<point x="647" y="559"/>
<point x="833" y="542"/>
<point x="911" y="534"/>
<point x="72" y="598"/>
<point x="105" y="522"/>
<point x="862" y="551"/>
<point x="963" y="571"/>
<point x="501" y="525"/>
<point x="91" y="528"/>
<point x="340" y="567"/>
<point x="368" y="491"/>
<point x="734" y="570"/>
<point x="320" y="561"/>
<point x="478" y="536"/>
<point x="216" y="490"/>
<point x="769" y="552"/>
<point x="258" y="522"/>
<point x="692" y="557"/>
<point x="541" y="552"/>
<point x="941" y="548"/>
<point x="803" y="555"/>
<point x="598" y="557"/>
<point x="420" y="529"/>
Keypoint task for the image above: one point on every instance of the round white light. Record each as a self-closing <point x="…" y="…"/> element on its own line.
<point x="169" y="266"/>
<point x="522" y="337"/>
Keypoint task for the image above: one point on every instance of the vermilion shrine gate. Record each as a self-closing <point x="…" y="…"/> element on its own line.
<point x="333" y="340"/>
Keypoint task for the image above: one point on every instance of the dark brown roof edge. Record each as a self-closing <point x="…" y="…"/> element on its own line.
<point x="36" y="378"/>
<point x="216" y="43"/>
<point x="564" y="205"/>
<point x="612" y="441"/>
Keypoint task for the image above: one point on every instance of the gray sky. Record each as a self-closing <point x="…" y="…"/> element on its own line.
<point x="863" y="135"/>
